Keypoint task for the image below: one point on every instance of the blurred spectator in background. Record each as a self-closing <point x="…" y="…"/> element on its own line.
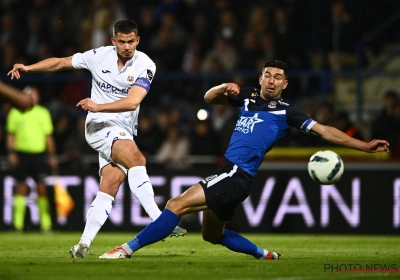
<point x="60" y="37"/>
<point x="72" y="13"/>
<point x="62" y="129"/>
<point x="385" y="125"/>
<point x="284" y="36"/>
<point x="178" y="32"/>
<point x="200" y="31"/>
<point x="36" y="34"/>
<point x="29" y="138"/>
<point x="223" y="121"/>
<point x="203" y="139"/>
<point x="229" y="29"/>
<point x="249" y="52"/>
<point x="395" y="148"/>
<point x="258" y="21"/>
<point x="149" y="136"/>
<point x="191" y="61"/>
<point x="326" y="114"/>
<point x="9" y="29"/>
<point x="8" y="55"/>
<point x="43" y="51"/>
<point x="340" y="38"/>
<point x="162" y="121"/>
<point x="76" y="147"/>
<point x="174" y="150"/>
<point x="44" y="8"/>
<point x="222" y="52"/>
<point x="148" y="26"/>
<point x="117" y="11"/>
<point x="268" y="47"/>
<point x="102" y="20"/>
<point x="166" y="52"/>
<point x="344" y="124"/>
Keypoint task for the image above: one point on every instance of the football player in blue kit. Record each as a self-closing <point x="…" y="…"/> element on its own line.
<point x="265" y="118"/>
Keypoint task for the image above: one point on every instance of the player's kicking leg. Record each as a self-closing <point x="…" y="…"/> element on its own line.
<point x="110" y="180"/>
<point x="190" y="201"/>
<point x="126" y="153"/>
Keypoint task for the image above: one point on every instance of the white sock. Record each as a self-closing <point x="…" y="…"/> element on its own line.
<point x="140" y="185"/>
<point x="96" y="216"/>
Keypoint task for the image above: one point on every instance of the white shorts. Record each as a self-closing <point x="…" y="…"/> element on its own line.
<point x="101" y="136"/>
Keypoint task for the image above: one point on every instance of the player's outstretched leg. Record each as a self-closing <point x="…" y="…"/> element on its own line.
<point x="237" y="243"/>
<point x="155" y="231"/>
<point x="140" y="185"/>
<point x="213" y="226"/>
<point x="95" y="218"/>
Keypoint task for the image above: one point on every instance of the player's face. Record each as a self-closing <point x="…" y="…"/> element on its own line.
<point x="272" y="83"/>
<point x="125" y="44"/>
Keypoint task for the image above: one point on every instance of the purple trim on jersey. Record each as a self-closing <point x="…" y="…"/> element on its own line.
<point x="142" y="82"/>
<point x="307" y="125"/>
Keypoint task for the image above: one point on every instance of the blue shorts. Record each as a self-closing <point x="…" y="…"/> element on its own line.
<point x="225" y="188"/>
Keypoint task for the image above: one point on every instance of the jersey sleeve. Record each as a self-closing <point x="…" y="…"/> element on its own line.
<point x="146" y="77"/>
<point x="238" y="100"/>
<point x="296" y="117"/>
<point x="83" y="60"/>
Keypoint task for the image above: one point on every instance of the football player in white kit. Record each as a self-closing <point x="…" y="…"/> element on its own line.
<point x="121" y="78"/>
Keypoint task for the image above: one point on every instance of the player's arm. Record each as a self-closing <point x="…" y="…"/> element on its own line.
<point x="218" y="94"/>
<point x="135" y="96"/>
<point x="51" y="150"/>
<point x="53" y="64"/>
<point x="12" y="155"/>
<point x="338" y="137"/>
<point x="18" y="98"/>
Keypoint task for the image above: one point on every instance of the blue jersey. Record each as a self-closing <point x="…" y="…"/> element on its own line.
<point x="260" y="125"/>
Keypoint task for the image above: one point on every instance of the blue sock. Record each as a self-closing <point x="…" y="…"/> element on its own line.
<point x="155" y="231"/>
<point x="237" y="243"/>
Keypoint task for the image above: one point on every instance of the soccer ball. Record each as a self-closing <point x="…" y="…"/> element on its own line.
<point x="325" y="167"/>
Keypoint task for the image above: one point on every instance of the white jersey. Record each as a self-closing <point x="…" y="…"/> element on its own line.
<point x="110" y="84"/>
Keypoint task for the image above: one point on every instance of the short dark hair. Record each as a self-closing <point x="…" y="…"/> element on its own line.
<point x="277" y="64"/>
<point x="391" y="93"/>
<point x="125" y="26"/>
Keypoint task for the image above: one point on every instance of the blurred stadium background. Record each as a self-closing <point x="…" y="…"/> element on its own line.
<point x="345" y="66"/>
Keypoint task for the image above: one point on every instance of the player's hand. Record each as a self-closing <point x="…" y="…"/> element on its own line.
<point x="88" y="105"/>
<point x="17" y="70"/>
<point x="231" y="88"/>
<point x="377" y="146"/>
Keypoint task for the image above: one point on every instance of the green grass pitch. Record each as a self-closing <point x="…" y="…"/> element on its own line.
<point x="39" y="256"/>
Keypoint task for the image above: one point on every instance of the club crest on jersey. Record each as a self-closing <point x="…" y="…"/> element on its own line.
<point x="130" y="79"/>
<point x="272" y="104"/>
<point x="254" y="94"/>
<point x="122" y="133"/>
